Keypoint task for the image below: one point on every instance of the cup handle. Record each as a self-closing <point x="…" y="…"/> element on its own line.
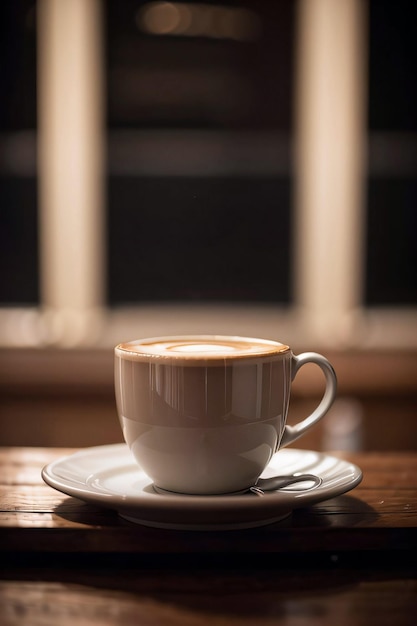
<point x="291" y="433"/>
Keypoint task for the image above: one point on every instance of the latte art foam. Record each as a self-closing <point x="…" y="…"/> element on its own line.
<point x="195" y="348"/>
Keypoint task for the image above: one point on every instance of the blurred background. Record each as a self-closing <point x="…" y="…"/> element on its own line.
<point x="233" y="167"/>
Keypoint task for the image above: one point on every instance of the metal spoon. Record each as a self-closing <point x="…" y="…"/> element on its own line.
<point x="278" y="482"/>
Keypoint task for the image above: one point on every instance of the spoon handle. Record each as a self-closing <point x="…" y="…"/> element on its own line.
<point x="278" y="482"/>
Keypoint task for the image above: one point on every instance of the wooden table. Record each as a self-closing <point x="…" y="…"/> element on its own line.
<point x="349" y="560"/>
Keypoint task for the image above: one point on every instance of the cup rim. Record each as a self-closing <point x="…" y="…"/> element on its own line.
<point x="130" y="349"/>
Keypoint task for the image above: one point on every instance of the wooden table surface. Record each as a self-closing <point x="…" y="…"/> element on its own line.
<point x="349" y="560"/>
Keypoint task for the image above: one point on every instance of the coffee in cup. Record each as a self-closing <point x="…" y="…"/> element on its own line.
<point x="204" y="414"/>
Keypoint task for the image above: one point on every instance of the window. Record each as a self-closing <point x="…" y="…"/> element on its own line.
<point x="391" y="274"/>
<point x="199" y="118"/>
<point x="166" y="153"/>
<point x="18" y="181"/>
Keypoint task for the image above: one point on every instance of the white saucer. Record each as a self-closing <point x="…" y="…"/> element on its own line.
<point x="109" y="476"/>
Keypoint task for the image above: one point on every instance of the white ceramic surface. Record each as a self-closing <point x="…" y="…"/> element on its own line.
<point x="109" y="476"/>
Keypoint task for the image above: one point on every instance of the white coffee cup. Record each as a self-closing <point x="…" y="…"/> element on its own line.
<point x="204" y="414"/>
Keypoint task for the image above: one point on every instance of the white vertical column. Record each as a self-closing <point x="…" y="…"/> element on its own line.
<point x="329" y="163"/>
<point x="71" y="149"/>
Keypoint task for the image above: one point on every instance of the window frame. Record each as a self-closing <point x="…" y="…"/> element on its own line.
<point x="329" y="199"/>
